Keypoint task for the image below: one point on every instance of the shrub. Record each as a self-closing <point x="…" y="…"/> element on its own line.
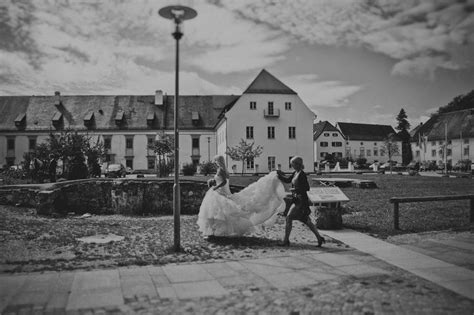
<point x="208" y="168"/>
<point x="189" y="169"/>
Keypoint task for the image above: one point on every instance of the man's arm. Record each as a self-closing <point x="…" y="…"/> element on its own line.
<point x="283" y="178"/>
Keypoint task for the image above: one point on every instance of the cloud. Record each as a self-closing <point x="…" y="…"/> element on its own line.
<point x="316" y="92"/>
<point x="421" y="36"/>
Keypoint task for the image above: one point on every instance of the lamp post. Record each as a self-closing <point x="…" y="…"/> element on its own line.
<point x="178" y="14"/>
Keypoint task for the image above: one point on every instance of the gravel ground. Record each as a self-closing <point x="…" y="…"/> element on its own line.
<point x="33" y="243"/>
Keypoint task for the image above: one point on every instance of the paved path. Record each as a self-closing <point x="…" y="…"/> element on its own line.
<point x="373" y="277"/>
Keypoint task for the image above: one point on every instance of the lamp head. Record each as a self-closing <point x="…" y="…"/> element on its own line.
<point x="178" y="13"/>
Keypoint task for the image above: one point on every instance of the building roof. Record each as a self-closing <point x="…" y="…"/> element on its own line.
<point x="367" y="132"/>
<point x="458" y="124"/>
<point x="321" y="126"/>
<point x="266" y="83"/>
<point x="102" y="112"/>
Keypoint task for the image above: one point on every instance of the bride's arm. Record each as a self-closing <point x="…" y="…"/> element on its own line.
<point x="223" y="178"/>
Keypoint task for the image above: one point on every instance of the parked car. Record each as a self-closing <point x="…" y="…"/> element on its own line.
<point x="128" y="170"/>
<point x="115" y="170"/>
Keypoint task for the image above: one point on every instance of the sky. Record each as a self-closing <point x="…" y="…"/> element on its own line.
<point x="349" y="61"/>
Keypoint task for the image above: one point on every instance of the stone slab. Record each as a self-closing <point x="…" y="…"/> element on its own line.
<point x="199" y="289"/>
<point x="362" y="270"/>
<point x="9" y="285"/>
<point x="219" y="270"/>
<point x="186" y="273"/>
<point x="296" y="263"/>
<point x="95" y="280"/>
<point x="138" y="285"/>
<point x="58" y="301"/>
<point x="335" y="260"/>
<point x="160" y="281"/>
<point x="439" y="275"/>
<point x="457" y="244"/>
<point x="30" y="297"/>
<point x="167" y="292"/>
<point x="462" y="287"/>
<point x="317" y="275"/>
<point x="95" y="299"/>
<point x="155" y="270"/>
<point x="288" y="280"/>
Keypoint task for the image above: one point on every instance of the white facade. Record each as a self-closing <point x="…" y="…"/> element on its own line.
<point x="457" y="149"/>
<point x="285" y="133"/>
<point x="329" y="142"/>
<point x="371" y="150"/>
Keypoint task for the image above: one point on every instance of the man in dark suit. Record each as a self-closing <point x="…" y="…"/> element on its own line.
<point x="299" y="210"/>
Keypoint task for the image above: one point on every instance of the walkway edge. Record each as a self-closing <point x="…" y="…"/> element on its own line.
<point x="446" y="275"/>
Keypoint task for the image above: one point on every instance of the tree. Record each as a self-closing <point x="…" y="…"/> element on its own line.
<point x="402" y="127"/>
<point x="244" y="152"/>
<point x="460" y="102"/>
<point x="390" y="147"/>
<point x="163" y="149"/>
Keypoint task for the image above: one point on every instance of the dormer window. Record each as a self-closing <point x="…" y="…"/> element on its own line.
<point x="150" y="119"/>
<point x="89" y="119"/>
<point x="195" y="118"/>
<point x="119" y="118"/>
<point x="20" y="120"/>
<point x="57" y="120"/>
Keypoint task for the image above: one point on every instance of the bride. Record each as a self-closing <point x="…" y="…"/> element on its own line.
<point x="225" y="214"/>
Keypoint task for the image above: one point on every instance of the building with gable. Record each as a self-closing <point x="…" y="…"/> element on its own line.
<point x="451" y="133"/>
<point x="268" y="113"/>
<point x="327" y="140"/>
<point x="367" y="141"/>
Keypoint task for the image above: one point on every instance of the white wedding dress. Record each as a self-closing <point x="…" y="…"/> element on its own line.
<point x="225" y="214"/>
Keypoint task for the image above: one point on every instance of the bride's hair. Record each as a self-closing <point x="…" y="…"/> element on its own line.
<point x="219" y="159"/>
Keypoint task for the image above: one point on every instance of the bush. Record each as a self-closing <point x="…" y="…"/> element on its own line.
<point x="189" y="169"/>
<point x="208" y="168"/>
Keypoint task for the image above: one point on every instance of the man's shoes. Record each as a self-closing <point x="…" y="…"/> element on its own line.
<point x="284" y="244"/>
<point x="321" y="241"/>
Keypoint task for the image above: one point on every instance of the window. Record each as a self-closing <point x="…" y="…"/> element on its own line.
<point x="375" y="143"/>
<point x="433" y="153"/>
<point x="433" y="143"/>
<point x="337" y="144"/>
<point x="362" y="152"/>
<point x="369" y="152"/>
<point x="150" y="141"/>
<point x="32" y="143"/>
<point x="440" y="142"/>
<point x="292" y="132"/>
<point x="289" y="161"/>
<point x="271" y="163"/>
<point x="376" y="152"/>
<point x="287" y="105"/>
<point x="107" y="143"/>
<point x="10" y="161"/>
<point x="129" y="163"/>
<point x="466" y="141"/>
<point x="10" y="143"/>
<point x="195" y="143"/>
<point x="326" y="134"/>
<point x="151" y="163"/>
<point x="129" y="143"/>
<point x="417" y="153"/>
<point x="250" y="164"/>
<point x="249" y="132"/>
<point x="323" y="143"/>
<point x="449" y="141"/>
<point x="271" y="132"/>
<point x="466" y="151"/>
<point x="335" y="134"/>
<point x="362" y="143"/>
<point x="253" y="105"/>
<point x="440" y="152"/>
<point x="322" y="154"/>
<point x="449" y="152"/>
<point x="270" y="108"/>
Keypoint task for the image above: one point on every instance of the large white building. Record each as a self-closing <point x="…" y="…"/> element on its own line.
<point x="451" y="133"/>
<point x="268" y="113"/>
<point x="327" y="140"/>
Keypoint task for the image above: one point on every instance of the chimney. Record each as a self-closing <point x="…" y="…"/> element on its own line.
<point x="158" y="97"/>
<point x="57" y="98"/>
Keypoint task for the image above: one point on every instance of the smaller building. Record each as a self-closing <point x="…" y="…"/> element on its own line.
<point x="369" y="141"/>
<point x="449" y="133"/>
<point x="328" y="140"/>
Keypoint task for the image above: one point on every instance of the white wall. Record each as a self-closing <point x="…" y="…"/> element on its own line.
<point x="282" y="148"/>
<point x="334" y="136"/>
<point x="457" y="148"/>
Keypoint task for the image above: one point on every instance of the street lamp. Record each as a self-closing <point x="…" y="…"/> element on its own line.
<point x="178" y="13"/>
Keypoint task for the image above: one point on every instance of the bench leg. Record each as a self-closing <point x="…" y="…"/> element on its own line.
<point x="396" y="225"/>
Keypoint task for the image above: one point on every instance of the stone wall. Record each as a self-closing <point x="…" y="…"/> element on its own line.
<point x="108" y="196"/>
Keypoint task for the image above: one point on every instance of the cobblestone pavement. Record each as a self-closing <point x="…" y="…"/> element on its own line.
<point x="334" y="281"/>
